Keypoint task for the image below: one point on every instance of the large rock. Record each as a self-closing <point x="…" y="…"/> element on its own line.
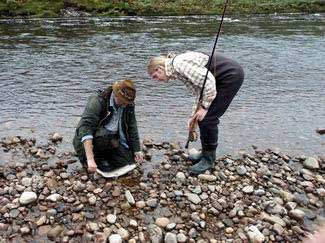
<point x="311" y="163"/>
<point x="27" y="198"/>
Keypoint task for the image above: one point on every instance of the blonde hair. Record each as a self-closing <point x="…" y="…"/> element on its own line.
<point x="156" y="62"/>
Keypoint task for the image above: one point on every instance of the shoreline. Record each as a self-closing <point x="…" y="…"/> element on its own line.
<point x="267" y="196"/>
<point x="74" y="8"/>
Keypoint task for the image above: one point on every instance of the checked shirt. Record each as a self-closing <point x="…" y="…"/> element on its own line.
<point x="189" y="67"/>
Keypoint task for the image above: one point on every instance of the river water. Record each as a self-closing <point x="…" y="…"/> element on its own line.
<point x="48" y="68"/>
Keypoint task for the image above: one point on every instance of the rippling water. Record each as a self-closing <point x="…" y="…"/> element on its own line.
<point x="48" y="68"/>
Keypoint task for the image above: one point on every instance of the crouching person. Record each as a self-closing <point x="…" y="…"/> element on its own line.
<point x="107" y="135"/>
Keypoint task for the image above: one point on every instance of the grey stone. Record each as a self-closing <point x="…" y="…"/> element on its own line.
<point x="193" y="198"/>
<point x="180" y="177"/>
<point x="115" y="238"/>
<point x="311" y="163"/>
<point x="123" y="233"/>
<point x="241" y="170"/>
<point x="206" y="177"/>
<point x="129" y="197"/>
<point x="53" y="233"/>
<point x="26" y="181"/>
<point x="152" y="203"/>
<point x="254" y="235"/>
<point x="27" y="198"/>
<point x="297" y="214"/>
<point x="170" y="238"/>
<point x="111" y="218"/>
<point x="155" y="233"/>
<point x="181" y="238"/>
<point x="54" y="197"/>
<point x="248" y="189"/>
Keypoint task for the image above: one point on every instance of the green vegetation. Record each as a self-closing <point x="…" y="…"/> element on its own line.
<point x="52" y="8"/>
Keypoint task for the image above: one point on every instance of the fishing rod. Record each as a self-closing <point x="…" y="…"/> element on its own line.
<point x="192" y="134"/>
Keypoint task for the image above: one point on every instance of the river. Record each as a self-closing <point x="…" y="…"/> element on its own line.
<point x="48" y="68"/>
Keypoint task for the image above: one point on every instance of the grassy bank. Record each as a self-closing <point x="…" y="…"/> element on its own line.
<point x="52" y="8"/>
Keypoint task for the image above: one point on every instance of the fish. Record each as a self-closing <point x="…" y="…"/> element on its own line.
<point x="117" y="172"/>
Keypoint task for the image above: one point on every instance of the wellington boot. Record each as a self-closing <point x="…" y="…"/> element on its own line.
<point x="206" y="162"/>
<point x="195" y="157"/>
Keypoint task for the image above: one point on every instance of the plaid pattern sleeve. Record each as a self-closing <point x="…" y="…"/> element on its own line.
<point x="190" y="69"/>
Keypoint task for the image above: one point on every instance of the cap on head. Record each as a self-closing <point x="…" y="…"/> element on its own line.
<point x="125" y="90"/>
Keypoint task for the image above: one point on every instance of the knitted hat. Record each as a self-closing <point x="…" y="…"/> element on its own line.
<point x="125" y="90"/>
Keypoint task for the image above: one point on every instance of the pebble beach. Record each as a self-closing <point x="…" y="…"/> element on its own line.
<point x="265" y="196"/>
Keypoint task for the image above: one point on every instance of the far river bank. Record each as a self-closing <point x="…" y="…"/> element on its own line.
<point x="77" y="8"/>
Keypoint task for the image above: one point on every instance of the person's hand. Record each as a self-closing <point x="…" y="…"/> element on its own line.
<point x="200" y="114"/>
<point x="191" y="122"/>
<point x="92" y="166"/>
<point x="139" y="157"/>
<point x="317" y="237"/>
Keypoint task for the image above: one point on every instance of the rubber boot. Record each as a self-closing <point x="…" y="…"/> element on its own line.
<point x="195" y="157"/>
<point x="207" y="162"/>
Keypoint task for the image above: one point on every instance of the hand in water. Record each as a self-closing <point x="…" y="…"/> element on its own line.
<point x="317" y="237"/>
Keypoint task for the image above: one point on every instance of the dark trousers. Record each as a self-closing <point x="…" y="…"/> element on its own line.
<point x="105" y="152"/>
<point x="229" y="78"/>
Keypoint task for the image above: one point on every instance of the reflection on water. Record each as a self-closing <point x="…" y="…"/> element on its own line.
<point x="48" y="67"/>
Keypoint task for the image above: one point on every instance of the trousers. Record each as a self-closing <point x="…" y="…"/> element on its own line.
<point x="229" y="77"/>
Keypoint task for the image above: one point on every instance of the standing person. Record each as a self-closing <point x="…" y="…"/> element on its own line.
<point x="107" y="135"/>
<point x="224" y="79"/>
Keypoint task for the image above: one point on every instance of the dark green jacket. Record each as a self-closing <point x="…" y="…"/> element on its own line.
<point x="96" y="115"/>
